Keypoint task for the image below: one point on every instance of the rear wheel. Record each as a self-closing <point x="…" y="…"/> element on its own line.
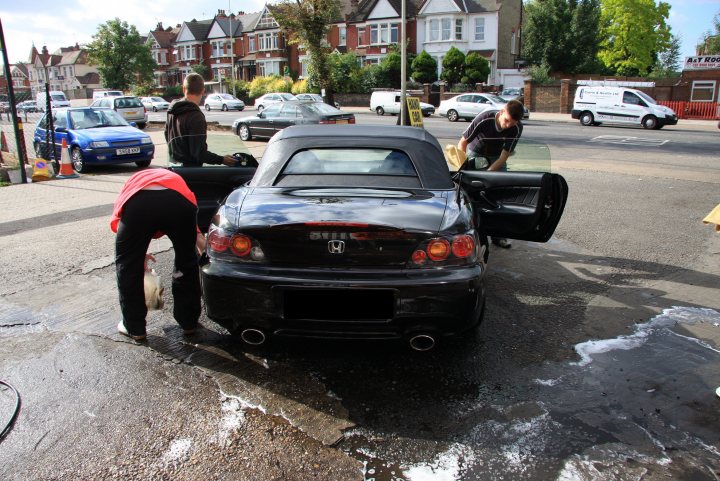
<point x="142" y="163"/>
<point x="244" y="132"/>
<point x="587" y="119"/>
<point x="224" y="107"/>
<point x="154" y="109"/>
<point x="141" y="125"/>
<point x="207" y="107"/>
<point x="650" y="122"/>
<point x="452" y="115"/>
<point x="77" y="160"/>
<point x="380" y="111"/>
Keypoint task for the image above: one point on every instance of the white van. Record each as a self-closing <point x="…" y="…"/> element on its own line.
<point x="57" y="100"/>
<point x="101" y="94"/>
<point x="620" y="105"/>
<point x="388" y="102"/>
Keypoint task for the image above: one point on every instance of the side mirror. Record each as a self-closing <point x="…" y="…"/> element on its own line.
<point x="61" y="130"/>
<point x="261" y="115"/>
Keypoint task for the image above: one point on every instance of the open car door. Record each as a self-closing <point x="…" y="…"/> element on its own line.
<point x="211" y="185"/>
<point x="516" y="205"/>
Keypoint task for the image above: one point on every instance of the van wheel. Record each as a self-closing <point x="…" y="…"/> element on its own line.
<point x="587" y="119"/>
<point x="380" y="111"/>
<point x="650" y="122"/>
<point x="453" y="115"/>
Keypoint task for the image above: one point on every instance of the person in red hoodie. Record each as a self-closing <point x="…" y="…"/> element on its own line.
<point x="153" y="203"/>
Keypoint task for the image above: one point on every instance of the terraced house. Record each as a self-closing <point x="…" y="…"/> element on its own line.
<point x="242" y="46"/>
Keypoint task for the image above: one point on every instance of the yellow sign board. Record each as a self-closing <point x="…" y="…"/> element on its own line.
<point x="415" y="114"/>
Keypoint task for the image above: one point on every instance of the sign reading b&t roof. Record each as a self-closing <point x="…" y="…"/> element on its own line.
<point x="702" y="62"/>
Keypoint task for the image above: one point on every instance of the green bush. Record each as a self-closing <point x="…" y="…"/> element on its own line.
<point x="424" y="68"/>
<point x="300" y="87"/>
<point x="272" y="83"/>
<point x="453" y="66"/>
<point x="173" y="90"/>
<point x="540" y="73"/>
<point x="477" y="69"/>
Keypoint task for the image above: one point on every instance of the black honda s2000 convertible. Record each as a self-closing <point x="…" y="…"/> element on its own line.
<point x="359" y="232"/>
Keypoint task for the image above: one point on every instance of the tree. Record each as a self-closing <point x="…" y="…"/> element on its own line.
<point x="477" y="69"/>
<point x="634" y="31"/>
<point x="121" y="57"/>
<point x="668" y="62"/>
<point x="710" y="44"/>
<point x="345" y="68"/>
<point x="307" y="22"/>
<point x="453" y="65"/>
<point x="424" y="68"/>
<point x="201" y="70"/>
<point x="391" y="66"/>
<point x="562" y="34"/>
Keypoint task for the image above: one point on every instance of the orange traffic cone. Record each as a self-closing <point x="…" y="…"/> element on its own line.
<point x="66" y="170"/>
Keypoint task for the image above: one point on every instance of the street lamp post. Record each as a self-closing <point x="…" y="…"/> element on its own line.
<point x="232" y="46"/>
<point x="403" y="64"/>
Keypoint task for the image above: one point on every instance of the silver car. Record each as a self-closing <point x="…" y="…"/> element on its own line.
<point x="223" y="102"/>
<point x="467" y="106"/>
<point x="264" y="101"/>
<point x="130" y="108"/>
<point x="155" y="103"/>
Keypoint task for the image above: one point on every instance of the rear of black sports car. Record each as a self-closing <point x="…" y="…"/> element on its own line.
<point x="367" y="247"/>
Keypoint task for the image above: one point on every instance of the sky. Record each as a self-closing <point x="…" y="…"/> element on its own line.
<point x="63" y="23"/>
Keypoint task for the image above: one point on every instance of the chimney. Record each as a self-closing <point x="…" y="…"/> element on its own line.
<point x="221" y="12"/>
<point x="45" y="50"/>
<point x="159" y="27"/>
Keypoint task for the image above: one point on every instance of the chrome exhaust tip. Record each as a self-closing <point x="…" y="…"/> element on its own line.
<point x="422" y="342"/>
<point x="254" y="337"/>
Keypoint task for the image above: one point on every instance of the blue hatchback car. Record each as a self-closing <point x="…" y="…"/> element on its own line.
<point x="95" y="136"/>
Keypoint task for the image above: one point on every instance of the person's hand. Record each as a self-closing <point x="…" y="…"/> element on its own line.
<point x="200" y="243"/>
<point x="229" y="160"/>
<point x="148" y="257"/>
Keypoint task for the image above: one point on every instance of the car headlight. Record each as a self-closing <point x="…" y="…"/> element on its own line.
<point x="99" y="144"/>
<point x="146" y="140"/>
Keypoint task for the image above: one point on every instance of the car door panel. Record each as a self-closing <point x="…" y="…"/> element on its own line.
<point x="211" y="185"/>
<point x="516" y="205"/>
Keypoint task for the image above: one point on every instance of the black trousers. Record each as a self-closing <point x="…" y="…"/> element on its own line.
<point x="146" y="213"/>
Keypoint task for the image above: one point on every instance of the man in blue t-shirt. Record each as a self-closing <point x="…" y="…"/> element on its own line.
<point x="489" y="141"/>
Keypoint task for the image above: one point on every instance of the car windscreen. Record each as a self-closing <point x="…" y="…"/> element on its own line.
<point x="288" y="96"/>
<point x="94" y="118"/>
<point x="496" y="99"/>
<point x="350" y="161"/>
<point x="128" y="103"/>
<point x="58" y="97"/>
<point x="646" y="97"/>
<point x="322" y="108"/>
<point x="157" y="99"/>
<point x="227" y="97"/>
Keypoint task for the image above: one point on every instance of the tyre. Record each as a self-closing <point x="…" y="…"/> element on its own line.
<point x="380" y="111"/>
<point x="142" y="163"/>
<point x="650" y="122"/>
<point x="224" y="108"/>
<point x="78" y="161"/>
<point x="587" y="119"/>
<point x="244" y="132"/>
<point x="207" y="107"/>
<point x="141" y="125"/>
<point x="38" y="149"/>
<point x="452" y="115"/>
<point x="154" y="109"/>
<point x="426" y="114"/>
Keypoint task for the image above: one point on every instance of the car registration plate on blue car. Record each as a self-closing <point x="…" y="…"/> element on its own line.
<point x="129" y="150"/>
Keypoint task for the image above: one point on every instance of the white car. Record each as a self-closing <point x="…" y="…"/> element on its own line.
<point x="155" y="103"/>
<point x="314" y="98"/>
<point x="468" y="105"/>
<point x="264" y="101"/>
<point x="223" y="102"/>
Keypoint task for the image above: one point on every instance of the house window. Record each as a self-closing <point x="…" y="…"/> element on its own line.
<point x="251" y="43"/>
<point x="394" y="29"/>
<point x="189" y="53"/>
<point x="513" y="43"/>
<point x="361" y="36"/>
<point x="267" y="21"/>
<point x="434" y="30"/>
<point x="383" y="33"/>
<point x="268" y="41"/>
<point x="441" y="29"/>
<point x="342" y="41"/>
<point x="446" y="29"/>
<point x="479" y="29"/>
<point x="373" y="34"/>
<point x="269" y="68"/>
<point x="458" y="29"/>
<point x="703" y="91"/>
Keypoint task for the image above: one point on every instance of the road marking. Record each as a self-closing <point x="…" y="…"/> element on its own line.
<point x="618" y="139"/>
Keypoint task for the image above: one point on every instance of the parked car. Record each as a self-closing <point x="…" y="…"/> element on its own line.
<point x="27" y="106"/>
<point x="278" y="116"/>
<point x="359" y="232"/>
<point x="511" y="94"/>
<point x="388" y="102"/>
<point x="264" y="101"/>
<point x="223" y="102"/>
<point x="95" y="136"/>
<point x="314" y="98"/>
<point x="155" y="103"/>
<point x="129" y="107"/>
<point x="102" y="93"/>
<point x="57" y="100"/>
<point x="468" y="105"/>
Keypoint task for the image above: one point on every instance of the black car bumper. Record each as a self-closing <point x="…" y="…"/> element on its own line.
<point x="342" y="304"/>
<point x="668" y="120"/>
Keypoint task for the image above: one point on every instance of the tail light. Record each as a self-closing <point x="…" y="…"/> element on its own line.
<point x="455" y="250"/>
<point x="351" y="120"/>
<point x="233" y="246"/>
<point x="325" y="121"/>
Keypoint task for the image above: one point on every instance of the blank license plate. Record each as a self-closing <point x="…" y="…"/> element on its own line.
<point x="129" y="150"/>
